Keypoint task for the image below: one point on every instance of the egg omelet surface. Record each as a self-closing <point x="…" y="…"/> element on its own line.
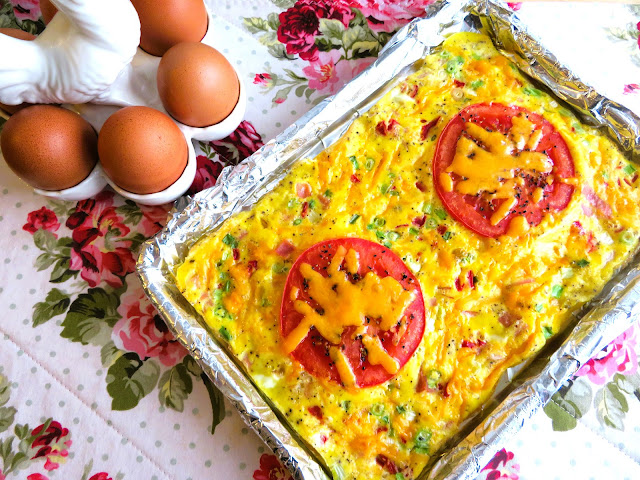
<point x="493" y="283"/>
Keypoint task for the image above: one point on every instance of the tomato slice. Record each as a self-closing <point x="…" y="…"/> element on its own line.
<point x="536" y="192"/>
<point x="314" y="352"/>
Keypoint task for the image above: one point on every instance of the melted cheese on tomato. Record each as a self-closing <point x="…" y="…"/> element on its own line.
<point x="344" y="304"/>
<point x="492" y="167"/>
<point x="489" y="303"/>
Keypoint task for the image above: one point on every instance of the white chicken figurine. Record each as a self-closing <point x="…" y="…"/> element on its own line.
<point x="76" y="59"/>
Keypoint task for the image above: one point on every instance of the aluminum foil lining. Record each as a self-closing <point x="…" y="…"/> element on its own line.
<point x="240" y="187"/>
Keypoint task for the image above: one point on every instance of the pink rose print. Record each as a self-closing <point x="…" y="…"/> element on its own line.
<point x="26" y="9"/>
<point x="501" y="467"/>
<point x="33" y="476"/>
<point x="279" y="100"/>
<point x="300" y="24"/>
<point x="631" y="88"/>
<point x="617" y="357"/>
<point x="51" y="444"/>
<point x="153" y="219"/>
<point x="101" y="476"/>
<point x="239" y="145"/>
<point x="43" y="218"/>
<point x="99" y="251"/>
<point x="515" y="6"/>
<point x="330" y="71"/>
<point x="386" y="16"/>
<point x="263" y="79"/>
<point x="207" y="173"/>
<point x="141" y="330"/>
<point x="270" y="469"/>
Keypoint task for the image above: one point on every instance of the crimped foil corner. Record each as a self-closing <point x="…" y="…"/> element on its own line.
<point x="240" y="187"/>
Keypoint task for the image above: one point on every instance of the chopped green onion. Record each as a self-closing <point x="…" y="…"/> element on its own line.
<point x="393" y="236"/>
<point x="387" y="243"/>
<point x="217" y="295"/>
<point x="384" y="188"/>
<point x="345" y="404"/>
<point x="400" y="476"/>
<point x="564" y="112"/>
<point x="312" y="204"/>
<point x="629" y="169"/>
<point x="628" y="238"/>
<point x="427" y="208"/>
<point x="547" y="331"/>
<point x="539" y="307"/>
<point x="421" y="441"/>
<point x="413" y="231"/>
<point x="292" y="203"/>
<point x="379" y="222"/>
<point x="230" y="240"/>
<point x="225" y="255"/>
<point x="440" y="213"/>
<point x="445" y="54"/>
<point x="328" y="193"/>
<point x="385" y="419"/>
<point x="279" y="268"/>
<point x="476" y="56"/>
<point x="401" y="409"/>
<point x="226" y="286"/>
<point x="220" y="311"/>
<point x="380" y="235"/>
<point x="567" y="273"/>
<point x="370" y="163"/>
<point x="353" y="160"/>
<point x="583" y="262"/>
<point x="476" y="84"/>
<point x="337" y="472"/>
<point x="354" y="218"/>
<point x="433" y="378"/>
<point x="605" y="175"/>
<point x="297" y="221"/>
<point x="453" y="66"/>
<point x="556" y="291"/>
<point x="377" y="409"/>
<point x="265" y="303"/>
<point x="534" y="92"/>
<point x="447" y="235"/>
<point x="395" y="193"/>
<point x="371" y="226"/>
<point x="430" y="223"/>
<point x="225" y="333"/>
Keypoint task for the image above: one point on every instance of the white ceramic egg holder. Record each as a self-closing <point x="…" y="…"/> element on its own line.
<point x="118" y="74"/>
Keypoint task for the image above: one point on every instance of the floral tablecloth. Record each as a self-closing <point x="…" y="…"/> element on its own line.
<point x="94" y="387"/>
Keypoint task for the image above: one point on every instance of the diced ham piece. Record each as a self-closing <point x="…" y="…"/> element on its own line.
<point x="384" y="128"/>
<point x="285" y="248"/>
<point x="303" y="190"/>
<point x="458" y="285"/>
<point x="252" y="266"/>
<point x="387" y="464"/>
<point x="458" y="83"/>
<point x="421" y="186"/>
<point x="595" y="201"/>
<point x="236" y="254"/>
<point x="470" y="280"/>
<point x="507" y="319"/>
<point x="355" y="179"/>
<point x="305" y="209"/>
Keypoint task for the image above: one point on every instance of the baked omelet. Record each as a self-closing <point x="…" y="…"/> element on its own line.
<point x="380" y="291"/>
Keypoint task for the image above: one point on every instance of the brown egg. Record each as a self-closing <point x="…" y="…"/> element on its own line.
<point x="49" y="147"/>
<point x="168" y="22"/>
<point x="22" y="35"/>
<point x="197" y="84"/>
<point x="142" y="150"/>
<point x="48" y="10"/>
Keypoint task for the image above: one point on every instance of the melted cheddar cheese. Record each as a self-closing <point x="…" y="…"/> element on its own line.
<point x="490" y="303"/>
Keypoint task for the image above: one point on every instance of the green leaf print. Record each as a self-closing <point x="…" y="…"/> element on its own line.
<point x="611" y="406"/>
<point x="192" y="366"/>
<point x="7" y="416"/>
<point x="55" y="303"/>
<point x="284" y="4"/>
<point x="109" y="353"/>
<point x="130" y="379"/>
<point x="217" y="402"/>
<point x="255" y="24"/>
<point x="629" y="384"/>
<point x="45" y="240"/>
<point x="569" y="404"/>
<point x="175" y="385"/>
<point x="91" y="317"/>
<point x="5" y="391"/>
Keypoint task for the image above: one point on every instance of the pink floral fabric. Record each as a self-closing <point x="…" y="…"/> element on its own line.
<point x="271" y="469"/>
<point x="99" y="251"/>
<point x="141" y="330"/>
<point x="617" y="357"/>
<point x="26" y="9"/>
<point x="385" y="16"/>
<point x="501" y="467"/>
<point x="42" y="218"/>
